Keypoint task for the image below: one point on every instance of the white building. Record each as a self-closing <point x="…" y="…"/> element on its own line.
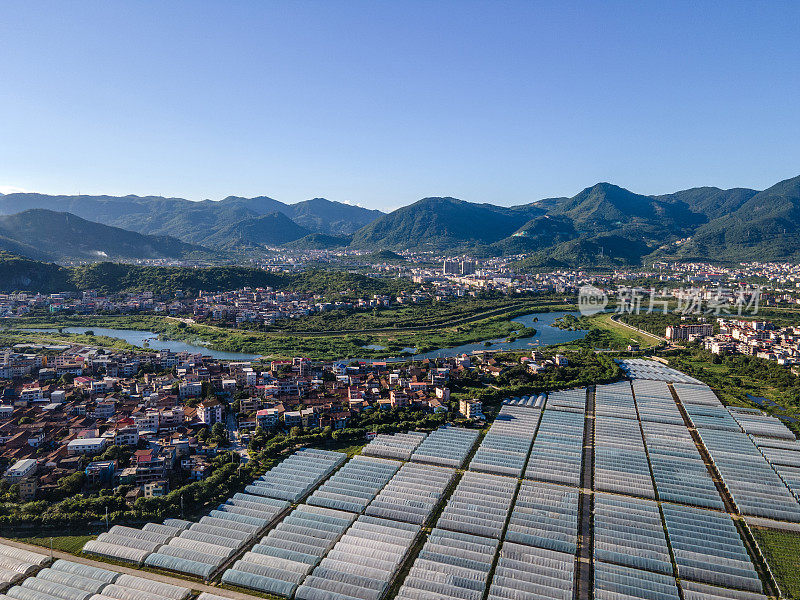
<point x="87" y="446"/>
<point x="21" y="469"/>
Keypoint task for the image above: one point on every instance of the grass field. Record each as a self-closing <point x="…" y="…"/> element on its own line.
<point x="782" y="551"/>
<point x="66" y="543"/>
<point x="604" y="321"/>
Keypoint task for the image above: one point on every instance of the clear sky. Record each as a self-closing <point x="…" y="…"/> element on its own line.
<point x="381" y="103"/>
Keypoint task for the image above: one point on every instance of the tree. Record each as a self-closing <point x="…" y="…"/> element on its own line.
<point x="219" y="434"/>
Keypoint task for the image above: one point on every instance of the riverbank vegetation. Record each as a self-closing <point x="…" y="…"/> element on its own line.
<point x="423" y="328"/>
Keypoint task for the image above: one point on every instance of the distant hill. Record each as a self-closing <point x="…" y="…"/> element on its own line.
<point x="194" y="222"/>
<point x="602" y="225"/>
<point x="19" y="273"/>
<point x="442" y="223"/>
<point x="271" y="229"/>
<point x="50" y="235"/>
<point x="764" y="227"/>
<point x="23" y="274"/>
<point x="318" y="241"/>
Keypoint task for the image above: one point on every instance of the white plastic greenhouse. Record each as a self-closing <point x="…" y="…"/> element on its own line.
<point x="446" y="447"/>
<point x="557" y="453"/>
<point x="529" y="573"/>
<point x="16" y="563"/>
<point x="678" y="469"/>
<point x="505" y="447"/>
<point x="67" y="580"/>
<point x="399" y="446"/>
<point x="363" y="562"/>
<point x="617" y="582"/>
<point x="296" y="476"/>
<point x="708" y="549"/>
<point x="356" y="484"/>
<point x="755" y="487"/>
<point x="412" y="494"/>
<point x="620" y="461"/>
<point x="282" y="559"/>
<point x="450" y="565"/>
<point x="639" y="368"/>
<point x="545" y="515"/>
<point x="479" y="505"/>
<point x="629" y="532"/>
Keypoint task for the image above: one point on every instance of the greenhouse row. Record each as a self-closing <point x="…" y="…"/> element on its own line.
<point x="784" y="456"/>
<point x="678" y="469"/>
<point x="557" y="453"/>
<point x="204" y="547"/>
<point x="529" y="401"/>
<point x="356" y="484"/>
<point x="702" y="591"/>
<point x="620" y="461"/>
<point x="283" y="558"/>
<point x="708" y="549"/>
<point x="639" y="368"/>
<point x="450" y="565"/>
<point x="363" y="562"/>
<point x="545" y="515"/>
<point x="505" y="447"/>
<point x="134" y="545"/>
<point x="399" y="446"/>
<point x="479" y="505"/>
<point x="528" y="573"/>
<point x="755" y="422"/>
<point x="699" y="393"/>
<point x="67" y="580"/>
<point x="573" y="400"/>
<point x="614" y="400"/>
<point x="654" y="402"/>
<point x="446" y="447"/>
<point x="16" y="563"/>
<point x="412" y="494"/>
<point x="629" y="532"/>
<point x="755" y="487"/>
<point x="296" y="476"/>
<point x="618" y="582"/>
<point x="704" y="416"/>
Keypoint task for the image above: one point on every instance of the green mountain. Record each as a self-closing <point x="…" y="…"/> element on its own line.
<point x="764" y="227"/>
<point x="19" y="273"/>
<point x="442" y="224"/>
<point x="194" y="222"/>
<point x="318" y="241"/>
<point x="49" y="235"/>
<point x="603" y="225"/>
<point x="271" y="229"/>
<point x="23" y="274"/>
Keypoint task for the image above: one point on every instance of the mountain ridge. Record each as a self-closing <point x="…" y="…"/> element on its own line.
<point x="615" y="225"/>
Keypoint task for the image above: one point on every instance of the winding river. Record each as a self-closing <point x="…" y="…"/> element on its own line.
<point x="546" y="335"/>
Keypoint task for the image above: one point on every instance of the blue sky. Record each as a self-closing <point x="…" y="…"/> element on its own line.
<point x="382" y="103"/>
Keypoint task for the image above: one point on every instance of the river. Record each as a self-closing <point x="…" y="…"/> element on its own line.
<point x="139" y="338"/>
<point x="546" y="335"/>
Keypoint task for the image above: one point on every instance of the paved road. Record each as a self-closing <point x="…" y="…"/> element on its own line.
<point x="583" y="576"/>
<point x="194" y="585"/>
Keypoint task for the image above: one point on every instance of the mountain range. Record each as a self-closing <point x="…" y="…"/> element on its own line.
<point x="603" y="225"/>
